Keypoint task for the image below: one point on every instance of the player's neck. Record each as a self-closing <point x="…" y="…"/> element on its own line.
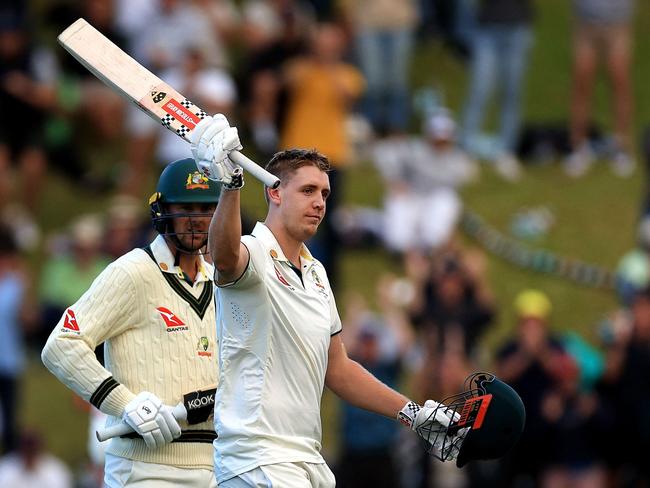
<point x="290" y="246"/>
<point x="190" y="264"/>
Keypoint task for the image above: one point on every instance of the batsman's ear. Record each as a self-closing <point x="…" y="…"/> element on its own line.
<point x="272" y="195"/>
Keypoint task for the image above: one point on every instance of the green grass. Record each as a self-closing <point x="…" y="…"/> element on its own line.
<point x="595" y="216"/>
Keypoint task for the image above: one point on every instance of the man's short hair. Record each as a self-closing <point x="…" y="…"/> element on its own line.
<point x="284" y="163"/>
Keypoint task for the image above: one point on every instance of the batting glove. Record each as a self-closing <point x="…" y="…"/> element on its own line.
<point x="212" y="141"/>
<point x="154" y="421"/>
<point x="431" y="422"/>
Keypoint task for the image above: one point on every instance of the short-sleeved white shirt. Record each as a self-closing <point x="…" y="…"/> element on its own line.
<point x="274" y="334"/>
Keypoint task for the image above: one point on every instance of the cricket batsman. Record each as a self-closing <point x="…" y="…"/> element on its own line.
<point x="153" y="309"/>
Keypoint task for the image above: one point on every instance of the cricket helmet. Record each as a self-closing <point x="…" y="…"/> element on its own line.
<point x="488" y="419"/>
<point x="180" y="182"/>
<point x="502" y="424"/>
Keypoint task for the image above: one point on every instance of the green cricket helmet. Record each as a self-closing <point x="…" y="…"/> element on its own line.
<point x="488" y="419"/>
<point x="181" y="182"/>
<point x="496" y="417"/>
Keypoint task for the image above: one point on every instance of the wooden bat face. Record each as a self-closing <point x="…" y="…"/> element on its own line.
<point x="152" y="95"/>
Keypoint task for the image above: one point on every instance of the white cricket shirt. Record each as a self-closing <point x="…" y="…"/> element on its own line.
<point x="273" y="332"/>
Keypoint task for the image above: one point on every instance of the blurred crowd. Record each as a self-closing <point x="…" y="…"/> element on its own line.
<point x="336" y="76"/>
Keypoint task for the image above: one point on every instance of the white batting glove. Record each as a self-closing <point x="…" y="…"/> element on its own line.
<point x="431" y="422"/>
<point x="154" y="421"/>
<point x="212" y="141"/>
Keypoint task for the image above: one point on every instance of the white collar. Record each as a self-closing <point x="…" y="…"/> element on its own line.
<point x="165" y="260"/>
<point x="264" y="234"/>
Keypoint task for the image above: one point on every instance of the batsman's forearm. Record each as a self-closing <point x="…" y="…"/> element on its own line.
<point x="359" y="387"/>
<point x="224" y="237"/>
<point x="73" y="362"/>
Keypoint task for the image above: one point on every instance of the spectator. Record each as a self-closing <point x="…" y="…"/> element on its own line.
<point x="70" y="271"/>
<point x="175" y="27"/>
<point x="132" y="17"/>
<point x="602" y="26"/>
<point x="500" y="46"/>
<point x="12" y="355"/>
<point x="575" y="420"/>
<point x="321" y="90"/>
<point x="633" y="269"/>
<point x="529" y="363"/>
<point x="81" y="97"/>
<point x="25" y="93"/>
<point x="225" y="19"/>
<point x="455" y="306"/>
<point x="383" y="31"/>
<point x="32" y="467"/>
<point x="421" y="177"/>
<point x="626" y="389"/>
<point x="379" y="343"/>
<point x="126" y="226"/>
<point x="274" y="34"/>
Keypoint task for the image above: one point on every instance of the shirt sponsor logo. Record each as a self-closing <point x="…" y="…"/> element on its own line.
<point x="70" y="322"/>
<point x="172" y="321"/>
<point x="282" y="279"/>
<point x="203" y="346"/>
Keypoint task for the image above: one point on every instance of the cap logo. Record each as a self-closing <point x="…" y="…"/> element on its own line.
<point x="195" y="181"/>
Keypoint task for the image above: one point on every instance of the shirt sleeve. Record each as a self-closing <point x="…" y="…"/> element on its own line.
<point x="107" y="309"/>
<point x="254" y="272"/>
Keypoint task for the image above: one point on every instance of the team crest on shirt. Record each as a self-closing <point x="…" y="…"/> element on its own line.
<point x="320" y="287"/>
<point x="173" y="323"/>
<point x="203" y="348"/>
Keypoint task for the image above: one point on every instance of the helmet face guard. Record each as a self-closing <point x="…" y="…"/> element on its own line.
<point x="180" y="183"/>
<point x="487" y="420"/>
<point x="163" y="222"/>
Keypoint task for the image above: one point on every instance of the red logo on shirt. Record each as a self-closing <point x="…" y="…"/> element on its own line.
<point x="282" y="279"/>
<point x="172" y="322"/>
<point x="70" y="321"/>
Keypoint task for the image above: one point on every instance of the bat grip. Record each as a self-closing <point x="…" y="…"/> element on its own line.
<point x="123" y="428"/>
<point x="254" y="169"/>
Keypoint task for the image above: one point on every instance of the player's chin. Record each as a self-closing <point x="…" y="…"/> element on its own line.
<point x="310" y="229"/>
<point x="195" y="243"/>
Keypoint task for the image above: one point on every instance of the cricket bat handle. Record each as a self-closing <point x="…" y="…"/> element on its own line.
<point x="123" y="428"/>
<point x="254" y="169"/>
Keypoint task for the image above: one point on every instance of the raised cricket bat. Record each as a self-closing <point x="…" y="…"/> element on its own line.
<point x="155" y="97"/>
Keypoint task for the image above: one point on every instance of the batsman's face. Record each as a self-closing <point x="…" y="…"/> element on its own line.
<point x="302" y="201"/>
<point x="191" y="225"/>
